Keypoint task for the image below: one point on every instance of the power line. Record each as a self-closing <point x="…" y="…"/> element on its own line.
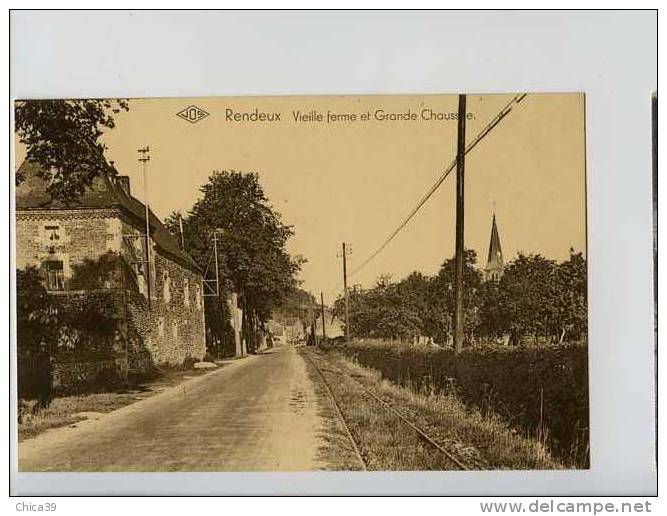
<point x="480" y="136"/>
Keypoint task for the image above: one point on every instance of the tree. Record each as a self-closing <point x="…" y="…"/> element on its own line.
<point x="297" y="304"/>
<point x="570" y="300"/>
<point x="527" y="296"/>
<point x="385" y="311"/>
<point x="416" y="305"/>
<point x="88" y="320"/>
<point x="110" y="270"/>
<point x="535" y="297"/>
<point x="36" y="335"/>
<point x="63" y="137"/>
<point x="91" y="321"/>
<point x="494" y="310"/>
<point x="252" y="239"/>
<point x="443" y="302"/>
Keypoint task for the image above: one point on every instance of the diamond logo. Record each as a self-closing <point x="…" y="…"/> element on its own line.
<point x="192" y="114"/>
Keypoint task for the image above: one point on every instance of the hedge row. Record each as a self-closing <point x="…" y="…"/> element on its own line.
<point x="543" y="390"/>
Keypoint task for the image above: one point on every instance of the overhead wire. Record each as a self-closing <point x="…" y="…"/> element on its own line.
<point x="480" y="136"/>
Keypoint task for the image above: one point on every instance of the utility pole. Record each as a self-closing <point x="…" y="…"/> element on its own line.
<point x="144" y="159"/>
<point x="324" y="327"/>
<point x="459" y="257"/>
<point x="347" y="298"/>
<point x="312" y="340"/>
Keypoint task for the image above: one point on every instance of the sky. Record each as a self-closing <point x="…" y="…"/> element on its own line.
<point x="356" y="180"/>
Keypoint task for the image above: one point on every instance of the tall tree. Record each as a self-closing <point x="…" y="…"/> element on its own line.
<point x="571" y="307"/>
<point x="536" y="297"/>
<point x="252" y="239"/>
<point x="442" y="296"/>
<point x="495" y="315"/>
<point x="528" y="288"/>
<point x="63" y="136"/>
<point x="36" y="335"/>
<point x="386" y="311"/>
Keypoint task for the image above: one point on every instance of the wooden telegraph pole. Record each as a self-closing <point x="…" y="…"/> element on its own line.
<point x="459" y="257"/>
<point x="324" y="326"/>
<point x="144" y="159"/>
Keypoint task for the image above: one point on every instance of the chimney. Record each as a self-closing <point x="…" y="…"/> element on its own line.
<point x="124" y="182"/>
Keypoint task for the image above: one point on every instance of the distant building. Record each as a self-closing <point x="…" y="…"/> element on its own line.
<point x="58" y="238"/>
<point x="286" y="329"/>
<point x="494" y="263"/>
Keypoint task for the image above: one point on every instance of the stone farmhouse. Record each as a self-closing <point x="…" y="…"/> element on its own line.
<point x="57" y="238"/>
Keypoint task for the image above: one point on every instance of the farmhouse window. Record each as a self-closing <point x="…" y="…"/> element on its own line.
<point x="55" y="278"/>
<point x="52" y="233"/>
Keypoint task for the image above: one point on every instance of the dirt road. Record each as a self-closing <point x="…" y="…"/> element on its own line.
<point x="261" y="413"/>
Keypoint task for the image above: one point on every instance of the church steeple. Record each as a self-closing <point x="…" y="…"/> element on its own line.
<point x="494" y="263"/>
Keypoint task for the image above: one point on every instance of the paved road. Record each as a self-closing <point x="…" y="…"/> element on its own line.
<point x="256" y="414"/>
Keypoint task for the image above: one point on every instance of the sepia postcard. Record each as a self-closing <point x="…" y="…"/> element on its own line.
<point x="302" y="283"/>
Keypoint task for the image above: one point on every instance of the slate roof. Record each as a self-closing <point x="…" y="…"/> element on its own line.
<point x="104" y="193"/>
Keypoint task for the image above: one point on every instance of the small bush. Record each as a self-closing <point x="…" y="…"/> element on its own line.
<point x="543" y="390"/>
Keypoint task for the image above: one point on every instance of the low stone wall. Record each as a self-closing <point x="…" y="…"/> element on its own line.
<point x="71" y="376"/>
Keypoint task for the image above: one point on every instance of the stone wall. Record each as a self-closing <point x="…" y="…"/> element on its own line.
<point x="72" y="375"/>
<point x="80" y="235"/>
<point x="172" y="330"/>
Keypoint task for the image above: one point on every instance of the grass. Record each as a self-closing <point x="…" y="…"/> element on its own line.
<point x="540" y="391"/>
<point x="337" y="452"/>
<point x="387" y="444"/>
<point x="68" y="410"/>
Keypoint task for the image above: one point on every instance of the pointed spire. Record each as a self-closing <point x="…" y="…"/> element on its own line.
<point x="494" y="262"/>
